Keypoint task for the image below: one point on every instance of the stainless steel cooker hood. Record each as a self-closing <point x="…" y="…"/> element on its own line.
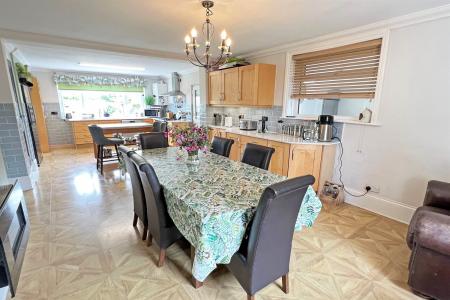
<point x="175" y="92"/>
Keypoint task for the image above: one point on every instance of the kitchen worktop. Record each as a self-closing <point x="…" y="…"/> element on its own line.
<point x="276" y="137"/>
<point x="107" y="119"/>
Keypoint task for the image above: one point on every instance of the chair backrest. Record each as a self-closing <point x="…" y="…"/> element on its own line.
<point x="257" y="155"/>
<point x="159" y="126"/>
<point x="140" y="205"/>
<point x="156" y="204"/>
<point x="153" y="140"/>
<point x="221" y="146"/>
<point x="97" y="135"/>
<point x="269" y="242"/>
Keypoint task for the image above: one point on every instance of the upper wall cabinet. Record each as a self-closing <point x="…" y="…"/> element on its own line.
<point x="251" y="85"/>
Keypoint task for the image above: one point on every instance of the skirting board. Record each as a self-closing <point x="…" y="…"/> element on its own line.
<point x="382" y="206"/>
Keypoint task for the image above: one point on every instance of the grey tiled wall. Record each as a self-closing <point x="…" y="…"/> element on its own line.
<point x="10" y="142"/>
<point x="59" y="131"/>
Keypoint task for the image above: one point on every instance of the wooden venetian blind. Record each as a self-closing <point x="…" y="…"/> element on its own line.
<point x="343" y="72"/>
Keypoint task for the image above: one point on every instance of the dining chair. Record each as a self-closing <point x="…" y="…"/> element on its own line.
<point x="101" y="141"/>
<point x="161" y="226"/>
<point x="221" y="146"/>
<point x="257" y="155"/>
<point x="266" y="248"/>
<point x="139" y="203"/>
<point x="153" y="140"/>
<point x="159" y="126"/>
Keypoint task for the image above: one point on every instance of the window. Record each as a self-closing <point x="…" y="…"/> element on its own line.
<point x="82" y="103"/>
<point x="340" y="81"/>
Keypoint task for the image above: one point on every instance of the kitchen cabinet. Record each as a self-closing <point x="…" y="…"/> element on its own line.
<point x="215" y="87"/>
<point x="251" y="85"/>
<point x="305" y="160"/>
<point x="279" y="164"/>
<point x="244" y="140"/>
<point x="212" y="132"/>
<point x="235" y="153"/>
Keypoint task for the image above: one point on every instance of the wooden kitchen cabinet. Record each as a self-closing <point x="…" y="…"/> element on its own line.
<point x="215" y="87"/>
<point x="212" y="132"/>
<point x="235" y="153"/>
<point x="244" y="140"/>
<point x="305" y="160"/>
<point x="279" y="164"/>
<point x="252" y="85"/>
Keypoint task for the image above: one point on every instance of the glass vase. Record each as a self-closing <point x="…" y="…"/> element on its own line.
<point x="193" y="158"/>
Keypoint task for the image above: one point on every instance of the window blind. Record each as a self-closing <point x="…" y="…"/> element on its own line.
<point x="344" y="72"/>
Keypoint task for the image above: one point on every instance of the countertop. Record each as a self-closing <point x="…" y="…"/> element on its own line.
<point x="117" y="119"/>
<point x="276" y="137"/>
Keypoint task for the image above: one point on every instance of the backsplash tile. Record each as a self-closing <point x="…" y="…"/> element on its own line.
<point x="59" y="131"/>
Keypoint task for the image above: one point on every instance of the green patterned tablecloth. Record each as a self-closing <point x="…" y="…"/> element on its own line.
<point x="212" y="203"/>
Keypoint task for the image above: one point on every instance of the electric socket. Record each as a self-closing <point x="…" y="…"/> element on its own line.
<point x="373" y="188"/>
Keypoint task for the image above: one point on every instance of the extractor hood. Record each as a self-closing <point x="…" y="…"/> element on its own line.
<point x="175" y="91"/>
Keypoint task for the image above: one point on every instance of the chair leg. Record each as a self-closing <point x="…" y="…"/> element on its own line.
<point x="250" y="297"/>
<point x="101" y="159"/>
<point x="285" y="281"/>
<point x="135" y="219"/>
<point x="149" y="239"/>
<point x="98" y="157"/>
<point x="117" y="152"/>
<point x="162" y="257"/>
<point x="144" y="232"/>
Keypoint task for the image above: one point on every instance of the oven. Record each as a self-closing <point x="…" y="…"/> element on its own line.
<point x="158" y="111"/>
<point x="14" y="233"/>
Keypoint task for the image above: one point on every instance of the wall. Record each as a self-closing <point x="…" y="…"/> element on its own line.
<point x="411" y="146"/>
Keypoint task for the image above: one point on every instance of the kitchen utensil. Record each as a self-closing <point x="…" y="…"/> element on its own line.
<point x="325" y="123"/>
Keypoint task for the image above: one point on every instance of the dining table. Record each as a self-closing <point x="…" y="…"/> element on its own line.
<point x="212" y="202"/>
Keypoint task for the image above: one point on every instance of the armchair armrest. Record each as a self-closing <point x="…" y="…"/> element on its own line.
<point x="438" y="194"/>
<point x="433" y="231"/>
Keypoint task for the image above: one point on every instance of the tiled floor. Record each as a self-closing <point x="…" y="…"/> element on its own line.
<point x="83" y="246"/>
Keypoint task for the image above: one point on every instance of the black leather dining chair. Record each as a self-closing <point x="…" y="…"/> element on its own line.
<point x="101" y="141"/>
<point x="161" y="226"/>
<point x="266" y="248"/>
<point x="221" y="146"/>
<point x="159" y="126"/>
<point x="153" y="140"/>
<point x="139" y="203"/>
<point x="257" y="155"/>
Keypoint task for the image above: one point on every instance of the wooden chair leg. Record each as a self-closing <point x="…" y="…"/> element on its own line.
<point x="197" y="284"/>
<point x="250" y="297"/>
<point x="135" y="219"/>
<point x="162" y="257"/>
<point x="144" y="232"/>
<point x="285" y="281"/>
<point x="149" y="239"/>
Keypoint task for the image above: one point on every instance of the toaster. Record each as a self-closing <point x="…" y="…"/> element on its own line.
<point x="248" y="124"/>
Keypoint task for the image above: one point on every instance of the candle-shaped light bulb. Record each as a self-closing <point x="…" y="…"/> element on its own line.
<point x="194" y="32"/>
<point x="187" y="39"/>
<point x="228" y="42"/>
<point x="223" y="35"/>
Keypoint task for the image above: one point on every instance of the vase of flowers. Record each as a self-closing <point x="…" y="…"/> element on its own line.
<point x="192" y="139"/>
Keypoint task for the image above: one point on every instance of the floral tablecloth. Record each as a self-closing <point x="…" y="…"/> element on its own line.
<point x="212" y="203"/>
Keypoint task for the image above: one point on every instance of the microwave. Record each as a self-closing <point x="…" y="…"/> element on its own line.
<point x="158" y="111"/>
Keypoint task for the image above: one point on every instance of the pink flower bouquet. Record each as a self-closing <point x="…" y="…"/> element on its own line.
<point x="192" y="139"/>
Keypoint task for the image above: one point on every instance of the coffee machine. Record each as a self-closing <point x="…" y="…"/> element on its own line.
<point x="325" y="123"/>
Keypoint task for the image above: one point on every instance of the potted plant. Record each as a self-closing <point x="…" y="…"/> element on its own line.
<point x="23" y="73"/>
<point x="150" y="100"/>
<point x="192" y="139"/>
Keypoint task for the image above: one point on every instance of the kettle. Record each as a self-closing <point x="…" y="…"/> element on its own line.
<point x="325" y="123"/>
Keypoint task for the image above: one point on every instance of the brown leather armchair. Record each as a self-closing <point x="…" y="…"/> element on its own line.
<point x="429" y="239"/>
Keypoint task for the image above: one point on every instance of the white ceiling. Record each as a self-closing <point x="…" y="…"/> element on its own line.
<point x="41" y="56"/>
<point x="162" y="24"/>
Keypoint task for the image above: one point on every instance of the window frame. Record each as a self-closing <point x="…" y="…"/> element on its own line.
<point x="328" y="43"/>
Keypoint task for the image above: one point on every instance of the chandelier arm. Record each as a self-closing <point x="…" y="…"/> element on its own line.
<point x="193" y="62"/>
<point x="196" y="57"/>
<point x="218" y="60"/>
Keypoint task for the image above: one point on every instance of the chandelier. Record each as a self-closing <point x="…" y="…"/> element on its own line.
<point x="206" y="60"/>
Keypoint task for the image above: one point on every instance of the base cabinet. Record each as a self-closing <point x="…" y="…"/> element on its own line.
<point x="279" y="164"/>
<point x="235" y="153"/>
<point x="305" y="160"/>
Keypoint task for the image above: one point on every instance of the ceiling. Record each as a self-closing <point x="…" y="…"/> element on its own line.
<point x="162" y="25"/>
<point x="42" y="56"/>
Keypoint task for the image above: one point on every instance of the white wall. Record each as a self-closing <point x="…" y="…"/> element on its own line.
<point x="5" y="88"/>
<point x="47" y="86"/>
<point x="412" y="144"/>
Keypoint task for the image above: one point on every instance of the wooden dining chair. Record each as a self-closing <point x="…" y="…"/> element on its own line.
<point x="161" y="226"/>
<point x="257" y="155"/>
<point x="266" y="248"/>
<point x="153" y="140"/>
<point x="139" y="203"/>
<point x="221" y="146"/>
